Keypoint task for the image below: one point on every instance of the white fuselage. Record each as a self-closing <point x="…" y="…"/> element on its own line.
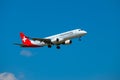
<point x="62" y="37"/>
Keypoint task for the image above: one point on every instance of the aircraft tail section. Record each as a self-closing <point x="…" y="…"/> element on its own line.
<point x="25" y="40"/>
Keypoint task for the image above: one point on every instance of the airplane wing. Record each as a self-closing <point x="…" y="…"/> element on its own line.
<point x="47" y="41"/>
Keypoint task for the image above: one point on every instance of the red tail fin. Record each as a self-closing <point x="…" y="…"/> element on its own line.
<point x="25" y="40"/>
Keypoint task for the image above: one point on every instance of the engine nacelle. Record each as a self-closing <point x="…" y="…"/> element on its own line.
<point x="67" y="42"/>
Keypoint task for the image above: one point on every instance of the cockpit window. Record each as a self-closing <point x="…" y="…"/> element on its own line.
<point x="79" y="30"/>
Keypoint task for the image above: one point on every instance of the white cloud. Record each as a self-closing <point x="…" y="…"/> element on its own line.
<point x="7" y="76"/>
<point x="26" y="53"/>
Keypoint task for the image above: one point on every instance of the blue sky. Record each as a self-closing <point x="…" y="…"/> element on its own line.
<point x="96" y="57"/>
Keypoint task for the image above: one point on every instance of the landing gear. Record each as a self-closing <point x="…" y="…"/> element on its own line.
<point x="49" y="46"/>
<point x="58" y="47"/>
<point x="79" y="38"/>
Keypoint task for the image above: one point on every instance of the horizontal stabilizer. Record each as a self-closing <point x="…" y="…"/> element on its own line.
<point x="21" y="45"/>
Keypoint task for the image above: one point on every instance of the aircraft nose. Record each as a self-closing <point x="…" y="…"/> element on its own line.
<point x="84" y="32"/>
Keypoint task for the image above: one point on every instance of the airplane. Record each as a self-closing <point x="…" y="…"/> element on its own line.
<point x="58" y="39"/>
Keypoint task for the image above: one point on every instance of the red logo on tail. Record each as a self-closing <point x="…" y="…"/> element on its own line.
<point x="25" y="40"/>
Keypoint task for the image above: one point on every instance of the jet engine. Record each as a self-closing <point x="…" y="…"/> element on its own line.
<point x="67" y="42"/>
